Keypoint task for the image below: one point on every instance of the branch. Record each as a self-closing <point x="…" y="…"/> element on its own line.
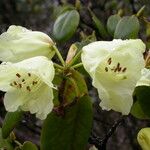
<point x="101" y="143"/>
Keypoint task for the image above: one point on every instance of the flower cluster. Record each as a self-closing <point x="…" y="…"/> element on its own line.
<point x="26" y="74"/>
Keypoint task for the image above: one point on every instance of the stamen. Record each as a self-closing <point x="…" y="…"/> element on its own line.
<point x="28" y="88"/>
<point x="119" y="69"/>
<point x="18" y="75"/>
<point x="34" y="82"/>
<point x="20" y="86"/>
<point x="124" y="69"/>
<point x="106" y="69"/>
<point x="118" y="65"/>
<point x="15" y="83"/>
<point x="11" y="84"/>
<point x="23" y="80"/>
<point x="29" y="74"/>
<point x="109" y="61"/>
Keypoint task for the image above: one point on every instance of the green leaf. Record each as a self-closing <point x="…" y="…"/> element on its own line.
<point x="5" y="143"/>
<point x="112" y="23"/>
<point x="99" y="25"/>
<point x="137" y="111"/>
<point x="142" y="95"/>
<point x="70" y="131"/>
<point x="66" y="25"/>
<point x="29" y="146"/>
<point x="127" y="28"/>
<point x="10" y="121"/>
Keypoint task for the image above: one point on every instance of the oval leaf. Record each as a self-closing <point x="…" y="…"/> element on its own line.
<point x="10" y="121"/>
<point x="112" y="23"/>
<point x="29" y="146"/>
<point x="127" y="28"/>
<point x="70" y="131"/>
<point x="142" y="94"/>
<point x="66" y="25"/>
<point x="137" y="111"/>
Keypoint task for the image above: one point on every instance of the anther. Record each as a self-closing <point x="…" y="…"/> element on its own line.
<point x="34" y="82"/>
<point x="15" y="83"/>
<point x="118" y="65"/>
<point x="20" y="85"/>
<point x="119" y="69"/>
<point x="124" y="69"/>
<point x="29" y="74"/>
<point x="23" y="80"/>
<point x="18" y="75"/>
<point x="28" y="88"/>
<point x="109" y="61"/>
<point x="106" y="69"/>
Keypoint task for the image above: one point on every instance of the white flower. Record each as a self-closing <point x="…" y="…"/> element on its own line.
<point x="28" y="85"/>
<point x="115" y="67"/>
<point x="19" y="43"/>
<point x="144" y="138"/>
<point x="145" y="78"/>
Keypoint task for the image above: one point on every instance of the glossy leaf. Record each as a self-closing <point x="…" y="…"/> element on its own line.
<point x="112" y="23"/>
<point x="10" y="121"/>
<point x="29" y="146"/>
<point x="137" y="111"/>
<point x="142" y="95"/>
<point x="127" y="28"/>
<point x="66" y="25"/>
<point x="70" y="131"/>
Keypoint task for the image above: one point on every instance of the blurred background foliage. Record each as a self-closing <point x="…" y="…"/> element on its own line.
<point x="93" y="21"/>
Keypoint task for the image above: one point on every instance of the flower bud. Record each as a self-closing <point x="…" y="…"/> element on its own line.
<point x="143" y="138"/>
<point x="19" y="43"/>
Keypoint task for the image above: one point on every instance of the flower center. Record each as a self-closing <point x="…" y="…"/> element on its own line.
<point x="118" y="69"/>
<point x="26" y="82"/>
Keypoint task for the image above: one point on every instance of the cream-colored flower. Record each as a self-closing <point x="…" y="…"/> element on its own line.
<point x="19" y="43"/>
<point x="145" y="78"/>
<point x="28" y="85"/>
<point x="115" y="67"/>
<point x="144" y="138"/>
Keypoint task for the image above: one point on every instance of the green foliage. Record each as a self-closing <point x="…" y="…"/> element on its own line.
<point x="5" y="143"/>
<point x="112" y="23"/>
<point x="99" y="26"/>
<point x="142" y="95"/>
<point x="69" y="131"/>
<point x="10" y="121"/>
<point x="66" y="25"/>
<point x="127" y="28"/>
<point x="137" y="111"/>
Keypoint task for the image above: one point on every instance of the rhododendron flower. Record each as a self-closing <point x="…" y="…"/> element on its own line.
<point x="19" y="43"/>
<point x="28" y="85"/>
<point x="144" y="138"/>
<point x="115" y="67"/>
<point x="145" y="78"/>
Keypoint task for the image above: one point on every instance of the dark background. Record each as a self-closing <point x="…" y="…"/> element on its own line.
<point x="40" y="15"/>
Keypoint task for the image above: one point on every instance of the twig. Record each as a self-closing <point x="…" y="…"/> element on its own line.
<point x="101" y="143"/>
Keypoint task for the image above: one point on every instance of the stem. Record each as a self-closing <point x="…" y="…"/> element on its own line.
<point x="77" y="65"/>
<point x="59" y="55"/>
<point x="140" y="12"/>
<point x="75" y="58"/>
<point x="58" y="66"/>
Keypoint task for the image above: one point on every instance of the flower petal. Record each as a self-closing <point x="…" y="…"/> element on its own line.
<point x="19" y="43"/>
<point x="40" y="102"/>
<point x="113" y="66"/>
